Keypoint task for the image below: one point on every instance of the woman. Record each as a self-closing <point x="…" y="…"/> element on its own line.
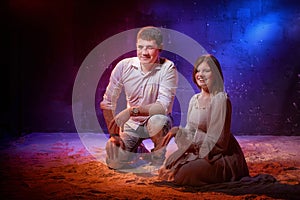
<point x="207" y="151"/>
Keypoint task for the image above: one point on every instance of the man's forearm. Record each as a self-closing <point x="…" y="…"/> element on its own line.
<point x="148" y="110"/>
<point x="156" y="108"/>
<point x="108" y="116"/>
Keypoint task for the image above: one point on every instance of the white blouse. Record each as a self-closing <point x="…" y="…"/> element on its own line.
<point x="206" y="127"/>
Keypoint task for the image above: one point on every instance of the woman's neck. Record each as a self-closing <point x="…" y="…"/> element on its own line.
<point x="209" y="92"/>
<point x="205" y="92"/>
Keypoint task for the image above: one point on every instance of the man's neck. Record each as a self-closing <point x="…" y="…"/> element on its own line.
<point x="148" y="67"/>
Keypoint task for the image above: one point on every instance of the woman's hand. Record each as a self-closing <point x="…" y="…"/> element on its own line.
<point x="169" y="136"/>
<point x="193" y="148"/>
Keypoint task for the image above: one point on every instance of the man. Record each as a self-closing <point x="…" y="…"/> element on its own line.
<point x="149" y="83"/>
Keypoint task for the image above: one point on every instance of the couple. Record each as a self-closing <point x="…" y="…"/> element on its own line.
<point x="207" y="151"/>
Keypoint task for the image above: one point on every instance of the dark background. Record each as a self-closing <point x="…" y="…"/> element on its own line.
<point x="45" y="42"/>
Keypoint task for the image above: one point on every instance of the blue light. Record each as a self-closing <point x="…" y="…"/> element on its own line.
<point x="265" y="29"/>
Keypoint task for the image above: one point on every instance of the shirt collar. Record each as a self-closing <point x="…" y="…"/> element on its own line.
<point x="136" y="63"/>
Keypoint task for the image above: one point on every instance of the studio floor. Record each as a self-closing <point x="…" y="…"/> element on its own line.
<point x="71" y="166"/>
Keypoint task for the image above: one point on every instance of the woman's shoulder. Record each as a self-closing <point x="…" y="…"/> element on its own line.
<point x="194" y="99"/>
<point x="195" y="96"/>
<point x="220" y="96"/>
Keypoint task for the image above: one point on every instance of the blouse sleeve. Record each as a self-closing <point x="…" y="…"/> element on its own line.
<point x="191" y="103"/>
<point x="184" y="136"/>
<point x="218" y="132"/>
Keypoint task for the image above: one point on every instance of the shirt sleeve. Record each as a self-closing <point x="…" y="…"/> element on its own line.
<point x="167" y="87"/>
<point x="218" y="132"/>
<point x="113" y="89"/>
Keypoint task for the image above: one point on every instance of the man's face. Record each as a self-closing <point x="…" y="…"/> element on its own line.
<point x="147" y="51"/>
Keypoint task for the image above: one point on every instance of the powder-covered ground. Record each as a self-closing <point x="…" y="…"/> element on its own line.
<point x="71" y="166"/>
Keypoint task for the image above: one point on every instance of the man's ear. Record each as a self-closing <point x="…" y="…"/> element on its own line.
<point x="160" y="48"/>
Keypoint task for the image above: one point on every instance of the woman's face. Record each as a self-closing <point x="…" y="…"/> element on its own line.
<point x="204" y="76"/>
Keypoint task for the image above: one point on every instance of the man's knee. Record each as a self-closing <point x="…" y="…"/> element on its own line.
<point x="158" y="123"/>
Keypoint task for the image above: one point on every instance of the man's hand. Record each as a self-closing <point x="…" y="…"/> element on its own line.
<point x="119" y="121"/>
<point x="117" y="141"/>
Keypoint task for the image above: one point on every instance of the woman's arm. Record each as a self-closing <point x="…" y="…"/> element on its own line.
<point x="170" y="135"/>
